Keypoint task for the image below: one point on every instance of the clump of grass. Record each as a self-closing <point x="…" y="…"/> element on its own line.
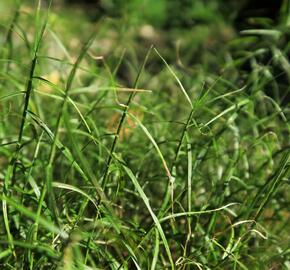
<point x="192" y="174"/>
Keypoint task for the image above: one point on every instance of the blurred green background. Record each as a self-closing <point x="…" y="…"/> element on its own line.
<point x="181" y="13"/>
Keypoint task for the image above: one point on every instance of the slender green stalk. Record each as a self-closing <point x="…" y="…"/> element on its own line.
<point x="49" y="166"/>
<point x="10" y="173"/>
<point x="122" y="120"/>
<point x="169" y="188"/>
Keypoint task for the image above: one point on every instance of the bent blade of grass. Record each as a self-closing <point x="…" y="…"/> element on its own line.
<point x="43" y="249"/>
<point x="230" y="254"/>
<point x="11" y="95"/>
<point x="42" y="221"/>
<point x="279" y="110"/>
<point x="176" y="78"/>
<point x="132" y="254"/>
<point x="192" y="213"/>
<point x="231" y="108"/>
<point x="64" y="150"/>
<point x="265" y="237"/>
<point x="148" y="134"/>
<point x="75" y="189"/>
<point x="223" y="96"/>
<point x="262" y="32"/>
<point x="154" y="217"/>
<point x="70" y="100"/>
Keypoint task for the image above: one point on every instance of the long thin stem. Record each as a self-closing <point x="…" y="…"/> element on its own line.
<point x="177" y="152"/>
<point x="11" y="170"/>
<point x="49" y="166"/>
<point x="122" y="119"/>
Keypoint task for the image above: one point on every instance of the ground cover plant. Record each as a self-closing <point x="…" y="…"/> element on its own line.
<point x="158" y="141"/>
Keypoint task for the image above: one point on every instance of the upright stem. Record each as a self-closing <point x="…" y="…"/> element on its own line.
<point x="121" y="122"/>
<point x="49" y="168"/>
<point x="12" y="165"/>
<point x="11" y="170"/>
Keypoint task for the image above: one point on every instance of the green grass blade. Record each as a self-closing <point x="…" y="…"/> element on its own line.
<point x="154" y="217"/>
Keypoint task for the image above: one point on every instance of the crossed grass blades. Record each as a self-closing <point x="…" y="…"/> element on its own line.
<point x="169" y="167"/>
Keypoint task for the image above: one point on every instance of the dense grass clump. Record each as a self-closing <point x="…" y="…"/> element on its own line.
<point x="137" y="144"/>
